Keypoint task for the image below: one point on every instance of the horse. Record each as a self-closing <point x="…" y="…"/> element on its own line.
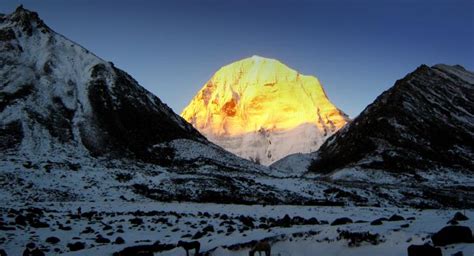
<point x="259" y="247"/>
<point x="190" y="246"/>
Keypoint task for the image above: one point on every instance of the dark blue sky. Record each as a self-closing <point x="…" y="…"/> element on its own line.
<point x="357" y="48"/>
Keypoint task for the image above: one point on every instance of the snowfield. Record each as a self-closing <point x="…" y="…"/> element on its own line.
<point x="229" y="228"/>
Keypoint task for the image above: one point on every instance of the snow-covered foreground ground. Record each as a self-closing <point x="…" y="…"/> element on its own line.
<point x="229" y="226"/>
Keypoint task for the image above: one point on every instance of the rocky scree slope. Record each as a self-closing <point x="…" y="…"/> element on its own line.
<point x="424" y="122"/>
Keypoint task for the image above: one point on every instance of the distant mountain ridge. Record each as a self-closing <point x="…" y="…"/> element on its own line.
<point x="424" y="122"/>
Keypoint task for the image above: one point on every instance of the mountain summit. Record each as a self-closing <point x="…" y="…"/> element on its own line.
<point x="424" y="122"/>
<point x="262" y="110"/>
<point x="58" y="98"/>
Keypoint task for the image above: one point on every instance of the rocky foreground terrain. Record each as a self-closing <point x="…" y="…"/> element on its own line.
<point x="126" y="228"/>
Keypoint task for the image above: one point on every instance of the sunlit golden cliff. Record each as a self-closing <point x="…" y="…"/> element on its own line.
<point x="250" y="104"/>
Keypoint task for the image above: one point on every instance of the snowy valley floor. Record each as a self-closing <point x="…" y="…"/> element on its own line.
<point x="221" y="229"/>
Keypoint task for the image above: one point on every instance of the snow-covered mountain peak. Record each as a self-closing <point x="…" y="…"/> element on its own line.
<point x="260" y="109"/>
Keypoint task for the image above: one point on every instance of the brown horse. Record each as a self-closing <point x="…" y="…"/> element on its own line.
<point x="189" y="246"/>
<point x="259" y="247"/>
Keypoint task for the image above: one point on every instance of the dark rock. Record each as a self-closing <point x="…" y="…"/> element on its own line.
<point x="37" y="252"/>
<point x="77" y="246"/>
<point x="452" y="235"/>
<point x="88" y="230"/>
<point x="35" y="223"/>
<point x="20" y="220"/>
<point x="405" y="225"/>
<point x="247" y="221"/>
<point x="119" y="240"/>
<point x="423" y="250"/>
<point x="298" y="220"/>
<point x="65" y="228"/>
<point x="3" y="252"/>
<point x="396" y="217"/>
<point x="460" y="217"/>
<point x="207" y="229"/>
<point x="376" y="222"/>
<point x="356" y="238"/>
<point x="230" y="229"/>
<point x="52" y="240"/>
<point x="198" y="235"/>
<point x="312" y="221"/>
<point x="102" y="240"/>
<point x="341" y="221"/>
<point x="136" y="221"/>
<point x="459" y="253"/>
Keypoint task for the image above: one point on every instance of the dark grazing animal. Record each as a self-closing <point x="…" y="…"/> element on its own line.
<point x="189" y="246"/>
<point x="261" y="246"/>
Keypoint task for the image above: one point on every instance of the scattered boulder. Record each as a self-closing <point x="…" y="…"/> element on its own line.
<point x="207" y="229"/>
<point x="423" y="250"/>
<point x="101" y="240"/>
<point x="247" y="221"/>
<point x="36" y="223"/>
<point x="136" y="221"/>
<point x="119" y="240"/>
<point x="37" y="252"/>
<point x="356" y="238"/>
<point x="312" y="221"/>
<point x="198" y="235"/>
<point x="376" y="222"/>
<point x="52" y="240"/>
<point x="341" y="221"/>
<point x="76" y="246"/>
<point x="88" y="230"/>
<point x="20" y="220"/>
<point x="396" y="217"/>
<point x="65" y="228"/>
<point x="460" y="217"/>
<point x="452" y="235"/>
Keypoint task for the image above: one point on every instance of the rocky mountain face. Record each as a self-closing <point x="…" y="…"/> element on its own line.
<point x="262" y="110"/>
<point x="424" y="122"/>
<point x="57" y="96"/>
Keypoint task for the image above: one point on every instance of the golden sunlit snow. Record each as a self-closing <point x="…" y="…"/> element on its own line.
<point x="260" y="94"/>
